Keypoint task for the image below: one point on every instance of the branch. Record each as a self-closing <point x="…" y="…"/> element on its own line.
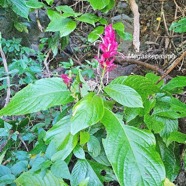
<point x="136" y="33"/>
<point x="141" y="63"/>
<point x="45" y="62"/>
<point x="7" y="72"/>
<point x="172" y="66"/>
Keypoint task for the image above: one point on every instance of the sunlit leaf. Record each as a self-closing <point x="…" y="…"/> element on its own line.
<point x="86" y="112"/>
<point x="41" y="95"/>
<point x="132" y="152"/>
<point x="124" y="95"/>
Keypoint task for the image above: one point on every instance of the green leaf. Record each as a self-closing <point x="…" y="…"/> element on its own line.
<point x="131" y="113"/>
<point x="7" y="179"/>
<point x="4" y="3"/>
<point x="142" y="85"/>
<point x="169" y="107"/>
<point x="79" y="152"/>
<point x="41" y="95"/>
<point x="124" y="95"/>
<point x="119" y="26"/>
<point x="170" y="125"/>
<point x="104" y="173"/>
<point x="169" y="159"/>
<point x="62" y="142"/>
<point x="54" y="15"/>
<point x="86" y="112"/>
<point x="60" y="169"/>
<point x="34" y="4"/>
<point x="102" y="158"/>
<point x="127" y="36"/>
<point x="49" y="2"/>
<point x="119" y="80"/>
<point x="95" y="34"/>
<point x="178" y="137"/>
<point x="68" y="11"/>
<point x="167" y="182"/>
<point x="4" y="170"/>
<point x="64" y="25"/>
<point x="131" y="150"/>
<point x="19" y="167"/>
<point x="98" y="5"/>
<point x="120" y="29"/>
<point x="21" y="27"/>
<point x="173" y="84"/>
<point x="153" y="124"/>
<point x="65" y="148"/>
<point x="109" y="6"/>
<point x="2" y="155"/>
<point x="83" y="170"/>
<point x="88" y="18"/>
<point x="94" y="146"/>
<point x="68" y="27"/>
<point x="29" y="179"/>
<point x="20" y="8"/>
<point x="84" y="137"/>
<point x="179" y="26"/>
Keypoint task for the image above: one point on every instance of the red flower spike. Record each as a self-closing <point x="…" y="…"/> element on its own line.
<point x="108" y="48"/>
<point x="66" y="79"/>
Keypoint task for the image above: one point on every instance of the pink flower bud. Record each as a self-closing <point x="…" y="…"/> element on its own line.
<point x="66" y="79"/>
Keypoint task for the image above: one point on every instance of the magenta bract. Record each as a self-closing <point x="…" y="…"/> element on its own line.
<point x="108" y="49"/>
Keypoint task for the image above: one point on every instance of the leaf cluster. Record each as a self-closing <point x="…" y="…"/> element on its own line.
<point x="131" y="128"/>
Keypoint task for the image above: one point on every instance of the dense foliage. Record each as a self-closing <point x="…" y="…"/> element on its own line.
<point x="71" y="130"/>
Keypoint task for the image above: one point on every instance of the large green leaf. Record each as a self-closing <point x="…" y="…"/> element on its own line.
<point x="20" y="8"/>
<point x="29" y="179"/>
<point x="132" y="153"/>
<point x="124" y="95"/>
<point x="62" y="142"/>
<point x="169" y="159"/>
<point x="99" y="4"/>
<point x="41" y="95"/>
<point x="83" y="170"/>
<point x="86" y="112"/>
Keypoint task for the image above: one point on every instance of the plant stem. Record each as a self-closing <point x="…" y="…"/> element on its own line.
<point x="7" y="72"/>
<point x="101" y="80"/>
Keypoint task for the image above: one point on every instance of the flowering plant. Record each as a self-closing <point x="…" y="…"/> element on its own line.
<point x="125" y="130"/>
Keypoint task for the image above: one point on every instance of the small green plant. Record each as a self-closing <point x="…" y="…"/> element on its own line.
<point x="23" y="69"/>
<point x="125" y="131"/>
<point x="179" y="26"/>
